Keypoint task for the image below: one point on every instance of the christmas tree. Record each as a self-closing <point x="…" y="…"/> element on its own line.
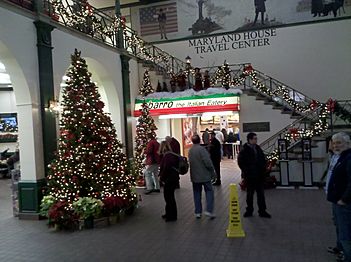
<point x="226" y="76"/>
<point x="89" y="161"/>
<point x="146" y="87"/>
<point x="144" y="127"/>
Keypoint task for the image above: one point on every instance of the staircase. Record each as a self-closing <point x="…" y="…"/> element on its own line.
<point x="300" y="149"/>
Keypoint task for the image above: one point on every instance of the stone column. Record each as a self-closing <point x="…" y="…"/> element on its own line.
<point x="30" y="187"/>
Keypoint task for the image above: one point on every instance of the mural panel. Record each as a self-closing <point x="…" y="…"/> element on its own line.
<point x="189" y="18"/>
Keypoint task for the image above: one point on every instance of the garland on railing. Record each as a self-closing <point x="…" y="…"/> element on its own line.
<point x="317" y="128"/>
<point x="83" y="18"/>
<point x="222" y="75"/>
<point x="343" y="113"/>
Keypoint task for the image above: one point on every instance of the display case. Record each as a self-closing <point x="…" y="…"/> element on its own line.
<point x="8" y="127"/>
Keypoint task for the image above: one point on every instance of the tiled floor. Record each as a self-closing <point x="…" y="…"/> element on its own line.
<point x="300" y="231"/>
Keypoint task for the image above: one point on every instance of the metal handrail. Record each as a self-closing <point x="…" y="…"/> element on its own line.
<point x="107" y="30"/>
<point x="27" y="4"/>
<point x="303" y="128"/>
<point x="302" y="101"/>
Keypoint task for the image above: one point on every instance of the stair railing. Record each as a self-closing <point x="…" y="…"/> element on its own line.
<point x="312" y="124"/>
<point x="104" y="28"/>
<point x="27" y="4"/>
<point x="341" y="115"/>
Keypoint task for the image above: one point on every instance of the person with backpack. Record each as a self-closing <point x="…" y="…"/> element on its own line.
<point x="201" y="174"/>
<point x="152" y="165"/>
<point x="169" y="176"/>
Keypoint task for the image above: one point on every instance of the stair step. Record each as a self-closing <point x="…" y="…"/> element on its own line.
<point x="295" y="116"/>
<point x="270" y="103"/>
<point x="286" y="111"/>
<point x="279" y="107"/>
<point x="318" y="138"/>
<point x="260" y="98"/>
<point x="248" y="91"/>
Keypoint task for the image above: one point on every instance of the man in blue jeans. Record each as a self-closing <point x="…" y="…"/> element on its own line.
<point x="201" y="174"/>
<point x="339" y="192"/>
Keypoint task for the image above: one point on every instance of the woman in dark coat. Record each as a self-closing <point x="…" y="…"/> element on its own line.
<point x="170" y="178"/>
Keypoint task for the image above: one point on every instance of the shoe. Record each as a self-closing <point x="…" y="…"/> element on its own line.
<point x="156" y="190"/>
<point x="210" y="215"/>
<point x="265" y="214"/>
<point x="170" y="219"/>
<point x="340" y="257"/>
<point x="248" y="214"/>
<point x="198" y="216"/>
<point x="164" y="216"/>
<point x="334" y="250"/>
<point x="148" y="192"/>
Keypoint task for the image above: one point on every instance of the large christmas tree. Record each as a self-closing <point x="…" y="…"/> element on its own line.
<point x="144" y="127"/>
<point x="89" y="161"/>
<point x="146" y="87"/>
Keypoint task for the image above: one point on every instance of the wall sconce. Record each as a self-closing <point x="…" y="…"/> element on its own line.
<point x="55" y="107"/>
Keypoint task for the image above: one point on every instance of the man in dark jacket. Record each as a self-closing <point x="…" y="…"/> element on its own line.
<point x="215" y="153"/>
<point x="339" y="192"/>
<point x="252" y="163"/>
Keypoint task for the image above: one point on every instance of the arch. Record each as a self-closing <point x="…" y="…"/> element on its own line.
<point x="28" y="114"/>
<point x="108" y="91"/>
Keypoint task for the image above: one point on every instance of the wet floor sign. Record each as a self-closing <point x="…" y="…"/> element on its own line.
<point x="235" y="228"/>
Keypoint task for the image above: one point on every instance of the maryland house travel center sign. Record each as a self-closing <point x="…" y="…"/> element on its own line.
<point x="190" y="105"/>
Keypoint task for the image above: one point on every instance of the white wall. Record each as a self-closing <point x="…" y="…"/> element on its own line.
<point x="7" y="102"/>
<point x="252" y="110"/>
<point x="18" y="52"/>
<point x="314" y="59"/>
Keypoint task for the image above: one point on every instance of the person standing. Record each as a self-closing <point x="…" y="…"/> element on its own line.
<point x="252" y="163"/>
<point x="339" y="192"/>
<point x="260" y="7"/>
<point x="162" y="20"/>
<point x="175" y="146"/>
<point x="152" y="165"/>
<point x="215" y="154"/>
<point x="201" y="174"/>
<point x="206" y="137"/>
<point x="170" y="179"/>
<point x="220" y="138"/>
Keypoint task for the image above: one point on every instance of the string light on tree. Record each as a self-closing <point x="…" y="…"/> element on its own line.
<point x="89" y="161"/>
<point x="146" y="87"/>
<point x="145" y="126"/>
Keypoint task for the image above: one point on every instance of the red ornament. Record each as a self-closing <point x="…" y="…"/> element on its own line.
<point x="100" y="105"/>
<point x="331" y="105"/>
<point x="248" y="69"/>
<point x="294" y="133"/>
<point x="313" y="104"/>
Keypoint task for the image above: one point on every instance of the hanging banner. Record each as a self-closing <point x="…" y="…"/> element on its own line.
<point x="190" y="105"/>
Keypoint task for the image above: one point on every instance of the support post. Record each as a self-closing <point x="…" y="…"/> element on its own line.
<point x="30" y="192"/>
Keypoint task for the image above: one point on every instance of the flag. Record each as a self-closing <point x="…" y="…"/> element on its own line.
<point x="149" y="23"/>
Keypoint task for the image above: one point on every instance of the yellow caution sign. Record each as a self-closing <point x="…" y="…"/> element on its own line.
<point x="235" y="228"/>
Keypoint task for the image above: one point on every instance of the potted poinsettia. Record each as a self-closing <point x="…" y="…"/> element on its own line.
<point x="113" y="206"/>
<point x="88" y="208"/>
<point x="46" y="203"/>
<point x="61" y="216"/>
